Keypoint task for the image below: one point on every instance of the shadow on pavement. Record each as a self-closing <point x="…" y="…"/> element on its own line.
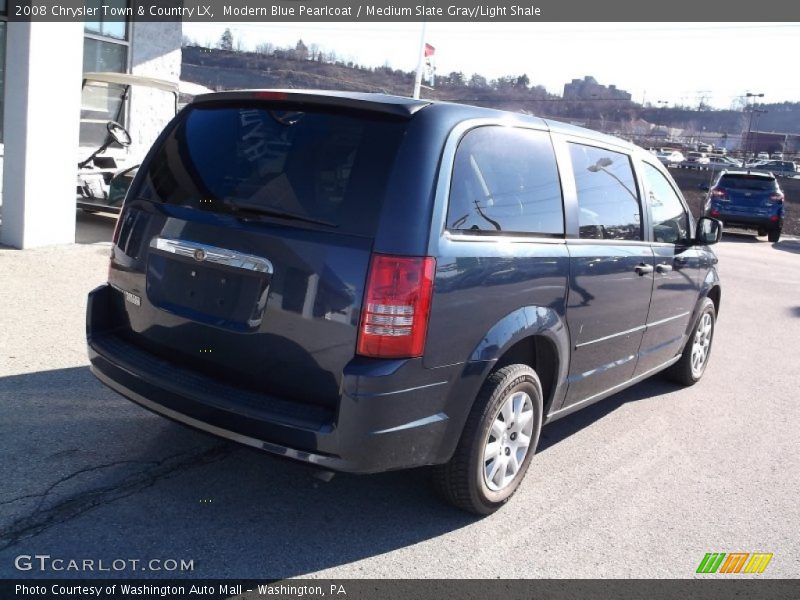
<point x="571" y="424"/>
<point x="91" y="474"/>
<point x="788" y="246"/>
<point x="740" y="237"/>
<point x="92" y="228"/>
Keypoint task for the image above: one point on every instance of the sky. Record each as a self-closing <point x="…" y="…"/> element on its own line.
<point x="675" y="63"/>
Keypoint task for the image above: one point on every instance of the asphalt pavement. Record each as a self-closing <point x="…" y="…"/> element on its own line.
<point x="642" y="484"/>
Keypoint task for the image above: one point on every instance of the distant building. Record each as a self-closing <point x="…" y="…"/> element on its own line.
<point x="588" y="88"/>
<point x="771" y="141"/>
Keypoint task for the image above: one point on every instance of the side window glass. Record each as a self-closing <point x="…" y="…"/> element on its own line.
<point x="505" y="179"/>
<point x="608" y="200"/>
<point x="670" y="220"/>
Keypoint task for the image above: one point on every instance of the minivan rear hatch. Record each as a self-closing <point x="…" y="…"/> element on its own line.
<point x="244" y="246"/>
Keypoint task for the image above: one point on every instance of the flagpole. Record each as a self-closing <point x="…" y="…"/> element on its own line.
<point x="420" y="60"/>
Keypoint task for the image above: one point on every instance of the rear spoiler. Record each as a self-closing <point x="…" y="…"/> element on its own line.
<point x="397" y="106"/>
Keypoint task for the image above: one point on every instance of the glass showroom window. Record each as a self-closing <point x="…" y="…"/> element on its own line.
<point x="105" y="45"/>
<point x="105" y="48"/>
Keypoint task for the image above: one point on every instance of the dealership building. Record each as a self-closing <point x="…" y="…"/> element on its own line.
<point x="47" y="126"/>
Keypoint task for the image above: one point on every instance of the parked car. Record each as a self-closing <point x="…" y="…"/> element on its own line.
<point x="716" y="162"/>
<point x="747" y="199"/>
<point x="705" y="147"/>
<point x="733" y="162"/>
<point x="670" y="157"/>
<point x="781" y="168"/>
<point x="696" y="159"/>
<point x="365" y="282"/>
<point x="762" y="156"/>
<point x="777" y="155"/>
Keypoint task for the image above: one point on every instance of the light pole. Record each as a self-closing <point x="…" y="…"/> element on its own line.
<point x="751" y="107"/>
<point x="661" y="112"/>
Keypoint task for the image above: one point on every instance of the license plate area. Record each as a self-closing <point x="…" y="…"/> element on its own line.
<point x="212" y="285"/>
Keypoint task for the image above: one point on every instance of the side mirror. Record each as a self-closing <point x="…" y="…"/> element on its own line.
<point x="703" y="186"/>
<point x="709" y="231"/>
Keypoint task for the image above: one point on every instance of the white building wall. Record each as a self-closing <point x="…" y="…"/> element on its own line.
<point x="155" y="52"/>
<point x="40" y="134"/>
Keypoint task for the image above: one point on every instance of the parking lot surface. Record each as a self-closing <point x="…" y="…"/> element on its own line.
<point x="642" y="484"/>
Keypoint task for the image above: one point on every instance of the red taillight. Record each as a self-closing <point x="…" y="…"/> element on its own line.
<point x="714" y="212"/>
<point x="397" y="301"/>
<point x="774" y="218"/>
<point x="271" y="95"/>
<point x="719" y="193"/>
<point x="777" y="197"/>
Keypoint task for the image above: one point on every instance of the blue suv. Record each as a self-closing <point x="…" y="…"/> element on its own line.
<point x="747" y="199"/>
<point x="366" y="282"/>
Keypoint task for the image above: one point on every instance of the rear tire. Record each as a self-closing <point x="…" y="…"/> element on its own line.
<point x="693" y="361"/>
<point x="761" y="232"/>
<point x="774" y="236"/>
<point x="497" y="444"/>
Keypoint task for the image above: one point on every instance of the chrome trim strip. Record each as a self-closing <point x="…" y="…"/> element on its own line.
<point x="308" y="457"/>
<point x="212" y="254"/>
<point x="619" y="386"/>
<point x="634" y="330"/>
<point x="418" y="423"/>
<point x="393" y="392"/>
<point x="608" y="337"/>
<point x="668" y="319"/>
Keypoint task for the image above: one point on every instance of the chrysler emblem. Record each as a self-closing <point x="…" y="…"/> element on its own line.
<point x="199" y="255"/>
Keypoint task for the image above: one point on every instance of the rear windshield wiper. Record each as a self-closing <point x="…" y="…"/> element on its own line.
<point x="242" y="212"/>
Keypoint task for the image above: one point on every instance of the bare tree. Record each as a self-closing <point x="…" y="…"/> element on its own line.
<point x="265" y="48"/>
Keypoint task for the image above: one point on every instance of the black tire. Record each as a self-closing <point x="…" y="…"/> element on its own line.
<point x="683" y="371"/>
<point x="761" y="232"/>
<point x="462" y="481"/>
<point x="774" y="236"/>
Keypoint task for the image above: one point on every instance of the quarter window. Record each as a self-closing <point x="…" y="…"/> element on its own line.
<point x="670" y="220"/>
<point x="607" y="196"/>
<point x="505" y="180"/>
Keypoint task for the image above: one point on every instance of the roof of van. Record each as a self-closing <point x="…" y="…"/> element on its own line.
<point x="400" y="106"/>
<point x="397" y="105"/>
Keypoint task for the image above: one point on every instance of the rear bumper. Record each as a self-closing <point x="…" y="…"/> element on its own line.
<point x="391" y="414"/>
<point x="748" y="221"/>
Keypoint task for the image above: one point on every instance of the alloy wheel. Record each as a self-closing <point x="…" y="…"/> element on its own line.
<point x="508" y="441"/>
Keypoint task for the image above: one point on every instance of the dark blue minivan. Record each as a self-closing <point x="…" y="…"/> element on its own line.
<point x="367" y="282"/>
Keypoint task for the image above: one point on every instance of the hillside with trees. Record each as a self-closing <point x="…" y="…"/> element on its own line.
<point x="306" y="66"/>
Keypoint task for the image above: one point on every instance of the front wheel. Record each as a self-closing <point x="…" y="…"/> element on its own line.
<point x="497" y="444"/>
<point x="694" y="359"/>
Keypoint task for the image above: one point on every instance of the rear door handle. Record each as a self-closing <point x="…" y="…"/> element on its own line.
<point x="643" y="269"/>
<point x="663" y="268"/>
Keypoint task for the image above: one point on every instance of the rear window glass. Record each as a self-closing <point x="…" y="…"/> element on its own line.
<point x="505" y="180"/>
<point x="320" y="166"/>
<point x="747" y="182"/>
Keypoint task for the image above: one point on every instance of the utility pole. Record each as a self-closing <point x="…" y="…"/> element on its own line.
<point x="752" y="108"/>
